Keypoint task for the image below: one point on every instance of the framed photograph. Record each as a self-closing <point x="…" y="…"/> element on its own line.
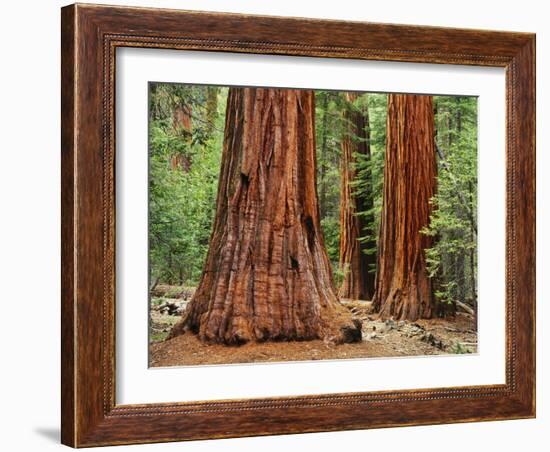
<point x="281" y="225"/>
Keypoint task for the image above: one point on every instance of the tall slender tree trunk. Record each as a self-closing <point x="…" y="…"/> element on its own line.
<point x="358" y="281"/>
<point x="472" y="259"/>
<point x="322" y="169"/>
<point x="403" y="288"/>
<point x="183" y="126"/>
<point x="442" y="269"/>
<point x="211" y="108"/>
<point x="460" y="261"/>
<point x="267" y="275"/>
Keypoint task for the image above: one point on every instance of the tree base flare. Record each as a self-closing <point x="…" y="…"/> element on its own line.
<point x="340" y="329"/>
<point x="398" y="306"/>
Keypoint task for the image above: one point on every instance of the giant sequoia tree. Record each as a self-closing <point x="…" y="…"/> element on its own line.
<point x="355" y="207"/>
<point x="403" y="287"/>
<point x="267" y="275"/>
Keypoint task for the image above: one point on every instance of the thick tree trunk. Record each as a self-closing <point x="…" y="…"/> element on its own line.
<point x="403" y="289"/>
<point x="358" y="283"/>
<point x="267" y="275"/>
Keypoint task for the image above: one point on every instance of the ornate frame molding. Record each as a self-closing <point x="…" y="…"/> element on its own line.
<point x="90" y="37"/>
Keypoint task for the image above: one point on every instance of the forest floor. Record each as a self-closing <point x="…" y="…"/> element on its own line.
<point x="452" y="335"/>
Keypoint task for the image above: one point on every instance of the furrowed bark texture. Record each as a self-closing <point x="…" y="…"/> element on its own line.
<point x="403" y="289"/>
<point x="267" y="275"/>
<point x="358" y="283"/>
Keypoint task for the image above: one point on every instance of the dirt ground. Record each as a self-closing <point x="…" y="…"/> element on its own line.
<point x="454" y="335"/>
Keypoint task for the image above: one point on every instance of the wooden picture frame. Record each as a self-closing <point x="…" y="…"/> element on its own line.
<point x="90" y="36"/>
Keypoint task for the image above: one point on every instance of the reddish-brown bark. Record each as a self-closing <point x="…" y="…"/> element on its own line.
<point x="403" y="288"/>
<point x="181" y="120"/>
<point x="267" y="275"/>
<point x="211" y="108"/>
<point x="358" y="282"/>
<point x="182" y="124"/>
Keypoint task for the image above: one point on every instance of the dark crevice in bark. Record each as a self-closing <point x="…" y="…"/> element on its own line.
<point x="310" y="230"/>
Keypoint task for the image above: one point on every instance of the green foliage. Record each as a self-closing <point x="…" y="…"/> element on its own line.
<point x="370" y="170"/>
<point x="339" y="274"/>
<point x="331" y="231"/>
<point x="452" y="261"/>
<point x="459" y="349"/>
<point x="328" y="126"/>
<point x="183" y="178"/>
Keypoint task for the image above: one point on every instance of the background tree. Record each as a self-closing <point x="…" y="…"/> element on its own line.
<point x="331" y="128"/>
<point x="212" y="94"/>
<point x="267" y="275"/>
<point x="370" y="169"/>
<point x="355" y="258"/>
<point x="403" y="286"/>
